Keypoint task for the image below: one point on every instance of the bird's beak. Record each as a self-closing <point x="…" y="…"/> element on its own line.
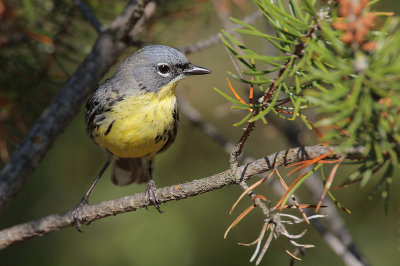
<point x="195" y="70"/>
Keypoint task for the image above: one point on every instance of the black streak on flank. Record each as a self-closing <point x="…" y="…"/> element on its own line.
<point x="158" y="138"/>
<point x="175" y="115"/>
<point x="109" y="128"/>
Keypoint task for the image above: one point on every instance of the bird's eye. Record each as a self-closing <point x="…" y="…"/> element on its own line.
<point x="163" y="69"/>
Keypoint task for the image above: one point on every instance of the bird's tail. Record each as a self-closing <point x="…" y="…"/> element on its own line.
<point x="128" y="170"/>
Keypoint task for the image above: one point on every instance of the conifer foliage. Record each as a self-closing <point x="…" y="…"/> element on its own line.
<point x="339" y="58"/>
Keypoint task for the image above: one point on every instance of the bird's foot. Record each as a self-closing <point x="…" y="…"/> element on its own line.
<point x="150" y="196"/>
<point x="77" y="213"/>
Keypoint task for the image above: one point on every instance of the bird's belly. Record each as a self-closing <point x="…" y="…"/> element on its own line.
<point x="138" y="127"/>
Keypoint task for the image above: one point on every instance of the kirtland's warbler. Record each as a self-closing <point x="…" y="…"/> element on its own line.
<point x="134" y="115"/>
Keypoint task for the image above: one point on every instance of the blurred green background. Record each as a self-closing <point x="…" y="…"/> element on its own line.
<point x="189" y="232"/>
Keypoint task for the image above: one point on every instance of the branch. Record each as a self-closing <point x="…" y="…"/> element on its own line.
<point x="176" y="192"/>
<point x="108" y="47"/>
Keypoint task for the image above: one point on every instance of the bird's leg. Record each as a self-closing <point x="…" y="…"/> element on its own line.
<point x="85" y="199"/>
<point x="150" y="193"/>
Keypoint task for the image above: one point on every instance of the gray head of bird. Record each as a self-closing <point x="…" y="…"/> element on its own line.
<point x="155" y="66"/>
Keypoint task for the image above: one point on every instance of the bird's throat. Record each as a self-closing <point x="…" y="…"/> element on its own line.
<point x="168" y="90"/>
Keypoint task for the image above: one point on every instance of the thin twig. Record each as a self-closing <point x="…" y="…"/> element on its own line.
<point x="237" y="150"/>
<point x="89" y="16"/>
<point x="256" y="200"/>
<point x="175" y="192"/>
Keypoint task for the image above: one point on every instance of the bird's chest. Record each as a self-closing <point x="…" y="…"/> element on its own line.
<point x="139" y="125"/>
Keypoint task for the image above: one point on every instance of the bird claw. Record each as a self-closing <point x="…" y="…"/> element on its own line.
<point x="150" y="196"/>
<point x="76" y="214"/>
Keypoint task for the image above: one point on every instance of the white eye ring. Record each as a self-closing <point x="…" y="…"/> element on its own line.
<point x="163" y="69"/>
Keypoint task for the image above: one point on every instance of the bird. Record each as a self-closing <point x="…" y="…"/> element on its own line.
<point x="133" y="116"/>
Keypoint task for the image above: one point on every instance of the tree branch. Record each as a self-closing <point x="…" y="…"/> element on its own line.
<point x="175" y="192"/>
<point x="108" y="47"/>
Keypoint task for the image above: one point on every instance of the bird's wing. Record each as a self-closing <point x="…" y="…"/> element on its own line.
<point x="99" y="104"/>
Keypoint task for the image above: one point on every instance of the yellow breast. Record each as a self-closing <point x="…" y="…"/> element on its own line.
<point x="136" y="126"/>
